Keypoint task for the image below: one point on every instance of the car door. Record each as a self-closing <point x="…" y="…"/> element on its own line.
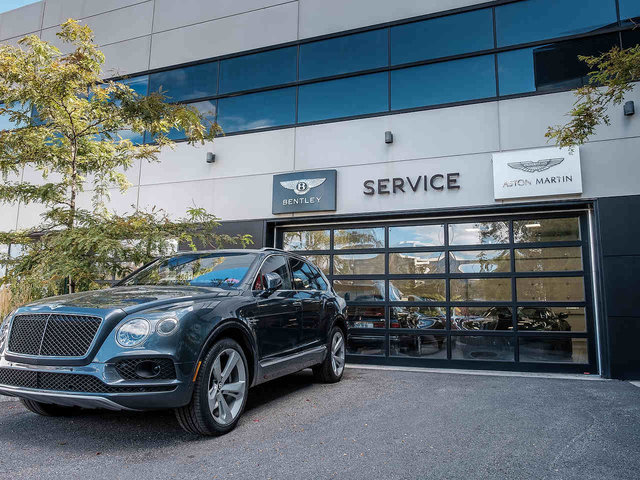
<point x="276" y="317"/>
<point x="308" y="286"/>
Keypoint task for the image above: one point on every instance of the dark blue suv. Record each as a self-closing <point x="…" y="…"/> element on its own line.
<point x="190" y="332"/>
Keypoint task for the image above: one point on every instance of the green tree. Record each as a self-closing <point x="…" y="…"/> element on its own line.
<point x="610" y="80"/>
<point x="72" y="128"/>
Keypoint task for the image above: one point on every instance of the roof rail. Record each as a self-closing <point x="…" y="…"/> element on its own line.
<point x="271" y="249"/>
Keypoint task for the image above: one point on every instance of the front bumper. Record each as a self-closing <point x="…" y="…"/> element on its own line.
<point x="96" y="385"/>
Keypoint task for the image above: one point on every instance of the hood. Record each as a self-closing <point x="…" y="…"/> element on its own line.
<point x="129" y="299"/>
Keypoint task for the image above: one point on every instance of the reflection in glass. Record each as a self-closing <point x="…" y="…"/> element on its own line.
<point x="550" y="289"/>
<point x="480" y="261"/>
<point x="365" y="317"/>
<point x="416" y="236"/>
<point x="444" y="82"/>
<point x="418" y="317"/>
<point x="351" y="53"/>
<point x="532" y="20"/>
<point x="478" y="233"/>
<point x="552" y="319"/>
<point x="629" y="9"/>
<point x="546" y="230"/>
<point x="186" y="83"/>
<point x="306" y="240"/>
<point x="428" y="346"/>
<point x="480" y="289"/>
<point x="548" y="67"/>
<point x="360" y="290"/>
<point x="359" y="238"/>
<point x="139" y="84"/>
<point x="556" y="259"/>
<point x="481" y="318"/>
<point x="442" y="37"/>
<point x="365" y="345"/>
<point x="344" y="97"/>
<point x="262" y="69"/>
<point x="565" y="350"/>
<point x="206" y="108"/>
<point x="416" y="263"/>
<point x="320" y="261"/>
<point x="482" y="348"/>
<point x="418" y="290"/>
<point x="359" y="264"/>
<point x="272" y="108"/>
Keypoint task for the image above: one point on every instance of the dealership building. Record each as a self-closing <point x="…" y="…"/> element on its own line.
<point x="401" y="146"/>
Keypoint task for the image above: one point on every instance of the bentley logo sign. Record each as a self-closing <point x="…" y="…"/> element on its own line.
<point x="537" y="172"/>
<point x="313" y="191"/>
<point x="301" y="187"/>
<point x="539" y="166"/>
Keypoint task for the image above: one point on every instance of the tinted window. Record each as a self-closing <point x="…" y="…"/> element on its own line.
<point x="186" y="83"/>
<point x="629" y="9"/>
<point x="306" y="240"/>
<point x="344" y="54"/>
<point x="197" y="269"/>
<point x="304" y="277"/>
<point x="532" y="20"/>
<point x="546" y="230"/>
<point x="5" y="121"/>
<point x="258" y="70"/>
<point x="478" y="233"/>
<point x="258" y="110"/>
<point x="343" y="98"/>
<point x="441" y="37"/>
<point x="206" y="108"/>
<point x="358" y="238"/>
<point x="446" y="82"/>
<point x="140" y="85"/>
<point x="274" y="264"/>
<point x="551" y="66"/>
<point x="416" y="236"/>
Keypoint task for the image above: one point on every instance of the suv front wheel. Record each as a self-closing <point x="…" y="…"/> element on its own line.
<point x="220" y="391"/>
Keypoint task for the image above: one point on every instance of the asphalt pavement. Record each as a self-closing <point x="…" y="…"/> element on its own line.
<point x="375" y="424"/>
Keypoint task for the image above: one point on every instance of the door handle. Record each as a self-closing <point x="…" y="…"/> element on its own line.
<point x="297" y="304"/>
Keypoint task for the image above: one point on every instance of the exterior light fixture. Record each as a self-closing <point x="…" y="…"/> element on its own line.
<point x="211" y="157"/>
<point x="629" y="108"/>
<point x="388" y="137"/>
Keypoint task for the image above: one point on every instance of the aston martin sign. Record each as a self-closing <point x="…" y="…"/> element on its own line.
<point x="312" y="191"/>
<point x="536" y="173"/>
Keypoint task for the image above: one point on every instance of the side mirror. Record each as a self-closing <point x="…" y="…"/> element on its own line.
<point x="273" y="282"/>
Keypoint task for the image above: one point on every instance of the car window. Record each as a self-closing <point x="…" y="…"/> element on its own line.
<point x="304" y="276"/>
<point x="322" y="283"/>
<point x="274" y="264"/>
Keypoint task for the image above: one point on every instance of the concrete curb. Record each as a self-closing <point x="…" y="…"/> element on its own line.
<point x="4" y="398"/>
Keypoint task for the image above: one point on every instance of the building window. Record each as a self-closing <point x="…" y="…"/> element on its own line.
<point x="442" y="37"/>
<point x="533" y="20"/>
<point x="446" y="82"/>
<point x="263" y="69"/>
<point x="343" y="98"/>
<point x="272" y="108"/>
<point x="188" y="83"/>
<point x="352" y="53"/>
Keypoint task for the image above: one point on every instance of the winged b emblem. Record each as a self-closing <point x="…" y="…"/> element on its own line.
<point x="532" y="166"/>
<point x="302" y="186"/>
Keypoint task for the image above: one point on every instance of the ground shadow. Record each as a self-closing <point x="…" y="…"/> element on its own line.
<point x="108" y="431"/>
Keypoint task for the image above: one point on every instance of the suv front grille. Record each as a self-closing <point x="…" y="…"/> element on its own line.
<point x="53" y="335"/>
<point x="69" y="382"/>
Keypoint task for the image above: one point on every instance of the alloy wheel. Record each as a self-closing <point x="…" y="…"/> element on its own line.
<point x="337" y="353"/>
<point x="227" y="386"/>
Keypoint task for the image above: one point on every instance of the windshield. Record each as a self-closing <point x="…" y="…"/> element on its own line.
<point x="221" y="270"/>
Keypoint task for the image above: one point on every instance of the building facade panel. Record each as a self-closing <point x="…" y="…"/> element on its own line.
<point x="21" y="21"/>
<point x="260" y="28"/>
<point x="58" y="11"/>
<point x="126" y="57"/>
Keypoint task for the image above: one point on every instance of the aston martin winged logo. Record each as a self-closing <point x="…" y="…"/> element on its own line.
<point x="536" y="166"/>
<point x="302" y="186"/>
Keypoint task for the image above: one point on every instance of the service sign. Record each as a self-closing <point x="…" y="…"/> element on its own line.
<point x="313" y="191"/>
<point x="536" y="173"/>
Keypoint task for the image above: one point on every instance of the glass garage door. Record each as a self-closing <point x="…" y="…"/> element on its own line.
<point x="507" y="293"/>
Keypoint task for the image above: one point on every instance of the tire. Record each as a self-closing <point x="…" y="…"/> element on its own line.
<point x="48" y="409"/>
<point x="219" y="415"/>
<point x="332" y="368"/>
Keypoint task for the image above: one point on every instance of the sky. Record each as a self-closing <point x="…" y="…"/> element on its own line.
<point x="11" y="4"/>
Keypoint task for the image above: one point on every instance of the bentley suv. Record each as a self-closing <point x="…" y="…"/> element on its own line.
<point x="192" y="332"/>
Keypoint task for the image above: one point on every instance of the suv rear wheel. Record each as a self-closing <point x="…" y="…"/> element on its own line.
<point x="220" y="393"/>
<point x="48" y="409"/>
<point x="332" y="369"/>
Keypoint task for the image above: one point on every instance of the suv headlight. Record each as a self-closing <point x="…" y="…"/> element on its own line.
<point x="133" y="333"/>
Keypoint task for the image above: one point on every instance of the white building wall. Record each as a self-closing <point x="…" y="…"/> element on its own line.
<point x="138" y="35"/>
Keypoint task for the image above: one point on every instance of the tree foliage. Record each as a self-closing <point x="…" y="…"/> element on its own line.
<point x="610" y="80"/>
<point x="70" y="130"/>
